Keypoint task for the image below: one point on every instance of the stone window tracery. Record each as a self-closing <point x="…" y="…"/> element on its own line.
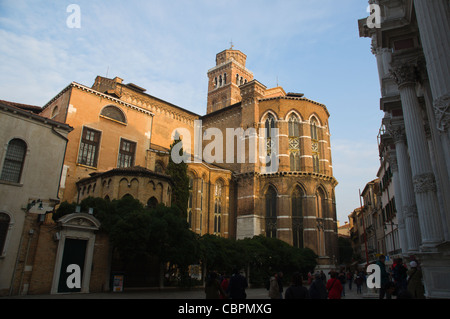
<point x="294" y="142"/>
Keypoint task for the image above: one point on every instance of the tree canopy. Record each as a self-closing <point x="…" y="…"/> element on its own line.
<point x="137" y="231"/>
<point x="178" y="172"/>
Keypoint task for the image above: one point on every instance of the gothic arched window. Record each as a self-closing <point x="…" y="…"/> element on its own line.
<point x="313" y="124"/>
<point x="269" y="124"/>
<point x="152" y="202"/>
<point x="218" y="190"/>
<point x="294" y="142"/>
<point x="315" y="145"/>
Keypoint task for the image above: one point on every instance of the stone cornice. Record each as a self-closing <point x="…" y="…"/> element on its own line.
<point x="33" y="116"/>
<point x="225" y="64"/>
<point x="105" y="96"/>
<point x="296" y="98"/>
<point x="324" y="177"/>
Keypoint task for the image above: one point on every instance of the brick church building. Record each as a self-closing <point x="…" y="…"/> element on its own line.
<point x="119" y="146"/>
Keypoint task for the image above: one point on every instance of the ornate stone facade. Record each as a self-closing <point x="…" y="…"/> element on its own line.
<point x="413" y="57"/>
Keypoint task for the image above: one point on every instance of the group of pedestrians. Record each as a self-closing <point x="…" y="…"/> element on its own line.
<point x="400" y="281"/>
<point x="226" y="287"/>
<point x="397" y="281"/>
<point x="319" y="287"/>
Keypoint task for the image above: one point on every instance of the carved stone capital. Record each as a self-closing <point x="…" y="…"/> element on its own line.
<point x="424" y="183"/>
<point x="442" y="113"/>
<point x="405" y="73"/>
<point x="396" y="131"/>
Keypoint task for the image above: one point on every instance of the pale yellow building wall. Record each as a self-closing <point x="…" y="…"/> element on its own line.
<point x="39" y="180"/>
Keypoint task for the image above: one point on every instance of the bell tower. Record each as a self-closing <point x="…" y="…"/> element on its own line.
<point x="225" y="79"/>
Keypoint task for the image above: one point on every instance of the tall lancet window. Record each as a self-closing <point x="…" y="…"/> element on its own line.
<point x="294" y="142"/>
<point x="320" y="220"/>
<point x="269" y="124"/>
<point x="315" y="145"/>
<point x="297" y="217"/>
<point x="218" y="191"/>
<point x="190" y="201"/>
<point x="271" y="212"/>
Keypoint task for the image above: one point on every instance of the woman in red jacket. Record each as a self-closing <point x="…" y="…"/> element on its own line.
<point x="334" y="287"/>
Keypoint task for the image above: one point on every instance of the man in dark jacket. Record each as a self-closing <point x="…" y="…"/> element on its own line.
<point x="384" y="278"/>
<point x="237" y="286"/>
<point x="296" y="289"/>
<point x="317" y="289"/>
<point x="400" y="274"/>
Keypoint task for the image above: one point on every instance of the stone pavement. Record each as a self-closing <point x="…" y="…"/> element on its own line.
<point x="173" y="293"/>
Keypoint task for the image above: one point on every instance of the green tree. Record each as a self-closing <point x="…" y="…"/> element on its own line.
<point x="178" y="172"/>
<point x="172" y="241"/>
<point x="259" y="256"/>
<point x="170" y="237"/>
<point x="218" y="253"/>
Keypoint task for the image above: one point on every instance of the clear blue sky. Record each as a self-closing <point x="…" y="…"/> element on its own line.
<point x="308" y="46"/>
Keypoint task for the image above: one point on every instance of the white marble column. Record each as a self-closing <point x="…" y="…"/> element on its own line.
<point x="440" y="166"/>
<point x="409" y="208"/>
<point x="402" y="231"/>
<point x="433" y="18"/>
<point x="423" y="177"/>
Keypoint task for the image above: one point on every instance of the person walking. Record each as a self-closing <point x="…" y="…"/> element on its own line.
<point x="237" y="286"/>
<point x="384" y="278"/>
<point x="213" y="289"/>
<point x="310" y="278"/>
<point x="400" y="274"/>
<point x="280" y="284"/>
<point x="342" y="279"/>
<point x="324" y="277"/>
<point x="225" y="283"/>
<point x="317" y="289"/>
<point x="359" y="280"/>
<point x="350" y="278"/>
<point x="334" y="287"/>
<point x="274" y="290"/>
<point x="415" y="286"/>
<point x="296" y="289"/>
